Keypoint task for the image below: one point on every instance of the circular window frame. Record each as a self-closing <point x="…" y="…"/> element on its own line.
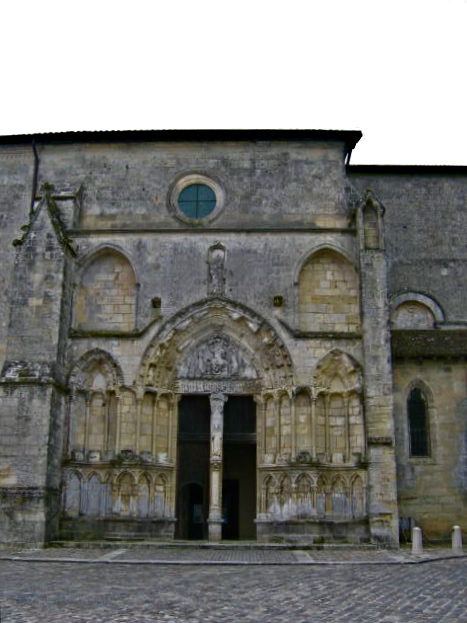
<point x="188" y="180"/>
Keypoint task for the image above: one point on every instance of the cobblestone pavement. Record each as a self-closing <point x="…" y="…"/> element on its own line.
<point x="103" y="590"/>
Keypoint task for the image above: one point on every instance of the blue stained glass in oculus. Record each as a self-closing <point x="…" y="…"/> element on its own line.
<point x="197" y="201"/>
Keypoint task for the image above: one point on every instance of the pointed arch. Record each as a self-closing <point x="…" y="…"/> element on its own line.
<point x="303" y="428"/>
<point x="328" y="293"/>
<point x="340" y="430"/>
<point x="338" y="364"/>
<point x="254" y="344"/>
<point x="73" y="486"/>
<point x="269" y="495"/>
<point x="106" y="292"/>
<point x="338" y="496"/>
<point x="420" y="410"/>
<point x="371" y="223"/>
<point x="358" y="497"/>
<point x="94" y="360"/>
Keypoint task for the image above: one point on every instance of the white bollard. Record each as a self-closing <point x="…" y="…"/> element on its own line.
<point x="417" y="543"/>
<point x="457" y="539"/>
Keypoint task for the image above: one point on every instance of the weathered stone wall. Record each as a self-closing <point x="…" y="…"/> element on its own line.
<point x="266" y="184"/>
<point x="111" y="300"/>
<point x="425" y="230"/>
<point x="16" y="181"/>
<point x="433" y="489"/>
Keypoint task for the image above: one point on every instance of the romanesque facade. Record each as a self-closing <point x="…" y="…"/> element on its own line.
<point x="229" y="335"/>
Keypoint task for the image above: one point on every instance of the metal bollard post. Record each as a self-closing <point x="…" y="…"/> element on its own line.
<point x="417" y="543"/>
<point x="457" y="539"/>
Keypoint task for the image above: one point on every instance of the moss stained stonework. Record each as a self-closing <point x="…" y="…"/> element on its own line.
<point x="244" y="376"/>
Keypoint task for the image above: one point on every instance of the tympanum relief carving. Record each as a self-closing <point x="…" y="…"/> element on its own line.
<point x="219" y="357"/>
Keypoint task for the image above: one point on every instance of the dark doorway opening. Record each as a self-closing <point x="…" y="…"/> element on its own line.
<point x="193" y="467"/>
<point x="239" y="469"/>
<point x="192" y="510"/>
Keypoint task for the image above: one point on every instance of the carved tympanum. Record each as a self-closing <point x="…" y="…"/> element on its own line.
<point x="219" y="357"/>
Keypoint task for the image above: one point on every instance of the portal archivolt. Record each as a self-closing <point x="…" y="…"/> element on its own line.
<point x="217" y="340"/>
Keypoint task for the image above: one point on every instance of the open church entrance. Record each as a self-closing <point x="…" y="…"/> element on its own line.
<point x="238" y="468"/>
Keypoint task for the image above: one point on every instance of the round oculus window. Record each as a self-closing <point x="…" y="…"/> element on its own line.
<point x="197" y="201"/>
<point x="196" y="198"/>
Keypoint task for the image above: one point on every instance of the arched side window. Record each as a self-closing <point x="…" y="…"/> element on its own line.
<point x="419" y="429"/>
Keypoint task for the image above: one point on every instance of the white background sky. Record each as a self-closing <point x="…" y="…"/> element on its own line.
<point x="396" y="70"/>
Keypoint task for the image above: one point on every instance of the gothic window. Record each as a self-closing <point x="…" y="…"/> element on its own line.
<point x="419" y="434"/>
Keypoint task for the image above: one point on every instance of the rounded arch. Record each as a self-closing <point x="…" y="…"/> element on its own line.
<point x="93" y="360"/>
<point x="303" y="389"/>
<point x="417" y="298"/>
<point x="251" y="348"/>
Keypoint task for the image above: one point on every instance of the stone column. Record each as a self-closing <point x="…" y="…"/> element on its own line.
<point x="215" y="466"/>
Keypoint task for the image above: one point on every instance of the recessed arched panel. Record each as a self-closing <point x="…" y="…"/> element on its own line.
<point x="370" y="227"/>
<point x="412" y="315"/>
<point x="303" y="422"/>
<point x="337" y="428"/>
<point x="128" y="421"/>
<point x="106" y="299"/>
<point x="285" y="418"/>
<point x="413" y="310"/>
<point x="328" y="294"/>
<point x="97" y="423"/>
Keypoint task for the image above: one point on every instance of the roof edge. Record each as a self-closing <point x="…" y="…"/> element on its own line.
<point x="349" y="137"/>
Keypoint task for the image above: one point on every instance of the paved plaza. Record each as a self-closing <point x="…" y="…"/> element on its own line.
<point x="163" y="584"/>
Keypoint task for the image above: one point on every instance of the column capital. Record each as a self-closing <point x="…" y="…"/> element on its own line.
<point x="217" y="398"/>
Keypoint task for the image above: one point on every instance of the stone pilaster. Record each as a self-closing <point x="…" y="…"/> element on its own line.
<point x="382" y="493"/>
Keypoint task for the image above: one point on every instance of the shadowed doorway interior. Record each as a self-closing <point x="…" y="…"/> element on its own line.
<point x="239" y="468"/>
<point x="193" y="467"/>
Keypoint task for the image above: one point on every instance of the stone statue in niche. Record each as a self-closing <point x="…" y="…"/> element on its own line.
<point x="219" y="357"/>
<point x="216" y="270"/>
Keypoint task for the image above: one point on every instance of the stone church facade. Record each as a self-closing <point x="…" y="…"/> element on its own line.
<point x="229" y="335"/>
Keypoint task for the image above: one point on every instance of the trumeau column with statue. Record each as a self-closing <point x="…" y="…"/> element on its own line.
<point x="215" y="466"/>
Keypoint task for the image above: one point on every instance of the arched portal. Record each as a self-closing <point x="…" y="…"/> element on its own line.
<point x="218" y="359"/>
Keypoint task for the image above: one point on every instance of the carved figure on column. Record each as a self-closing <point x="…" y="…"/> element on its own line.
<point x="217" y="424"/>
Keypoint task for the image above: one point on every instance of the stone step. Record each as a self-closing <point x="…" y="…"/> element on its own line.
<point x="140" y="542"/>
